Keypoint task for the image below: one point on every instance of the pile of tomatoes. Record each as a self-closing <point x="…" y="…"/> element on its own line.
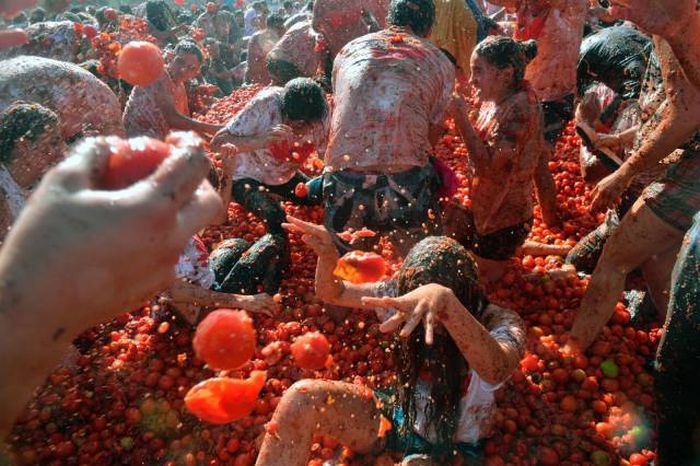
<point x="121" y="397"/>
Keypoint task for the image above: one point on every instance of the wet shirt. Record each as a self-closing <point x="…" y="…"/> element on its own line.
<point x="340" y="21"/>
<point x="502" y="189"/>
<point x="477" y="405"/>
<point x="552" y="74"/>
<point x="257" y="118"/>
<point x="297" y="46"/>
<point x="193" y="264"/>
<point x="85" y="105"/>
<point x="389" y="88"/>
<point x="143" y="116"/>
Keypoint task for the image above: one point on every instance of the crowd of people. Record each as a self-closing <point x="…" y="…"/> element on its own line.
<point x="368" y="85"/>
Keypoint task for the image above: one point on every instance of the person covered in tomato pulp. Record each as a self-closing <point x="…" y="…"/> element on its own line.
<point x="294" y="55"/>
<point x="263" y="148"/>
<point x="456" y="350"/>
<point x="161" y="106"/>
<point x="30" y="144"/>
<point x="259" y="45"/>
<point x="391" y="93"/>
<point x="506" y="155"/>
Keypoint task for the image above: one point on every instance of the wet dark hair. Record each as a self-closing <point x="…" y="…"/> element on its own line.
<point x="158" y="12"/>
<point x="275" y="20"/>
<point x="185" y="47"/>
<point x="287" y="4"/>
<point x="418" y="15"/>
<point x="23" y="120"/>
<point x="38" y="15"/>
<point x="503" y="52"/>
<point x="440" y="260"/>
<point x="304" y="100"/>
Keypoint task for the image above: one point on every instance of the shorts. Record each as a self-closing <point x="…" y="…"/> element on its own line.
<point x="675" y="198"/>
<point x="557" y="114"/>
<point x="500" y="245"/>
<point x="405" y="204"/>
<point x="409" y="442"/>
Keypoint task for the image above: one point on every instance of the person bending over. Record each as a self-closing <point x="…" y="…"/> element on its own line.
<point x="455" y="349"/>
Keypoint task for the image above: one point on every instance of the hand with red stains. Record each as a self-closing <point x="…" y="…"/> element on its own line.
<point x="426" y="303"/>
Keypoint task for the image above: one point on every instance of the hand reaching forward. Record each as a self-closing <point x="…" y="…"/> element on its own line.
<point x="425" y="304"/>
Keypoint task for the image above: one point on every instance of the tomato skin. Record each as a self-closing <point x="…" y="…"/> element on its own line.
<point x="311" y="350"/>
<point x="361" y="267"/>
<point x="132" y="160"/>
<point x="221" y="400"/>
<point x="140" y="63"/>
<point x="225" y="339"/>
<point x="300" y="190"/>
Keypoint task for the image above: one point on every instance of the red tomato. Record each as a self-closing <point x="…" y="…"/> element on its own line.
<point x="225" y="339"/>
<point x="637" y="459"/>
<point x="132" y="160"/>
<point x="140" y="63"/>
<point x="300" y="190"/>
<point x="360" y="267"/>
<point x="221" y="400"/>
<point x="90" y="31"/>
<point x="310" y="351"/>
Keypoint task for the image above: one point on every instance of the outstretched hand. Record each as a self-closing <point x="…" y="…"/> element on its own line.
<point x="315" y="236"/>
<point x="424" y="304"/>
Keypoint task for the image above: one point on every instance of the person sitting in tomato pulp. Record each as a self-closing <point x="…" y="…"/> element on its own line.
<point x="263" y="148"/>
<point x="391" y="93"/>
<point x="455" y="350"/>
<point x="506" y="153"/>
<point x="155" y="109"/>
<point x="259" y="46"/>
<point x="30" y="144"/>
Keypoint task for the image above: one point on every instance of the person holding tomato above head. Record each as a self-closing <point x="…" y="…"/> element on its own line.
<point x="391" y="93"/>
<point x="651" y="233"/>
<point x="454" y="350"/>
<point x="263" y="147"/>
<point x="161" y="106"/>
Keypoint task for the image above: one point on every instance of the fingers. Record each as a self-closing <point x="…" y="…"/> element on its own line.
<point x="306" y="227"/>
<point x="84" y="167"/>
<point x="392" y="323"/>
<point x="414" y="319"/>
<point x="204" y="207"/>
<point x="384" y="302"/>
<point x="429" y="323"/>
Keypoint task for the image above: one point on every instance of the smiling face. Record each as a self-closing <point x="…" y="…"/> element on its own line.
<point x="490" y="82"/>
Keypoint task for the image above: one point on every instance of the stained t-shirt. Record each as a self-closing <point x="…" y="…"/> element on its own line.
<point x="297" y="46"/>
<point x="502" y="189"/>
<point x="477" y="405"/>
<point x="193" y="264"/>
<point x="389" y="88"/>
<point x="262" y="113"/>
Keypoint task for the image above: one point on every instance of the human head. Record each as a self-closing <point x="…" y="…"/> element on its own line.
<point x="416" y="15"/>
<point x="158" y="13"/>
<point x="38" y="15"/>
<point x="276" y="22"/>
<point x="443" y="261"/>
<point x="240" y="18"/>
<point x="212" y="46"/>
<point x="260" y="7"/>
<point x="30" y="142"/>
<point x="288" y="6"/>
<point x="303" y="103"/>
<point x="498" y="65"/>
<point x="187" y="62"/>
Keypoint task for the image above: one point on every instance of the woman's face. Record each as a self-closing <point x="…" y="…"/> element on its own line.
<point x="490" y="82"/>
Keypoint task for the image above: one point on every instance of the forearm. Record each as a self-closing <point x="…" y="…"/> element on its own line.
<point x="486" y="356"/>
<point x="546" y="191"/>
<point x="177" y="120"/>
<point x="183" y="291"/>
<point x="478" y="155"/>
<point x="241" y="143"/>
<point x="329" y="287"/>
